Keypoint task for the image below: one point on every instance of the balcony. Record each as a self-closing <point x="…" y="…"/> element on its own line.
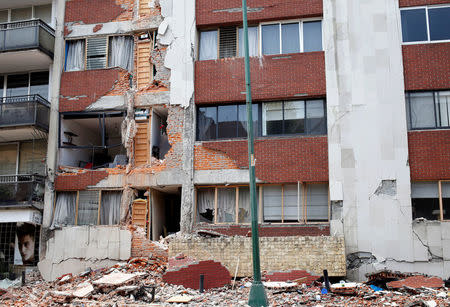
<point x="21" y="190"/>
<point x="22" y="116"/>
<point x="26" y="45"/>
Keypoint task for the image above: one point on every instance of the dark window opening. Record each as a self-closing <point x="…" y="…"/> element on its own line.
<point x="160" y="139"/>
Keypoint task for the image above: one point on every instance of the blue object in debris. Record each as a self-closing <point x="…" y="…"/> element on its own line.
<point x="324" y="291"/>
<point x="375" y="288"/>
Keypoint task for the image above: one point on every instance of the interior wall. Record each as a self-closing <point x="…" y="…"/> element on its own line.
<point x="158" y="214"/>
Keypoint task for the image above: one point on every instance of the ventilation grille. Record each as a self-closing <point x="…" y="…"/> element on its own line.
<point x="227" y="42"/>
<point x="96" y="52"/>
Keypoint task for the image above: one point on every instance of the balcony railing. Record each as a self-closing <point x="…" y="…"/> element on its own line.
<point x="24" y="111"/>
<point x="21" y="189"/>
<point x="30" y="34"/>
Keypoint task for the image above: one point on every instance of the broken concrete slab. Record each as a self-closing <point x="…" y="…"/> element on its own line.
<point x="83" y="290"/>
<point x="115" y="279"/>
<point x="180" y="299"/>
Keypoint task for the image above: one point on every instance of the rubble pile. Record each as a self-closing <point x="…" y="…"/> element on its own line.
<point x="139" y="282"/>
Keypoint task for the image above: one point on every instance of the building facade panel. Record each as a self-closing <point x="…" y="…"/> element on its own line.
<point x="288" y="76"/>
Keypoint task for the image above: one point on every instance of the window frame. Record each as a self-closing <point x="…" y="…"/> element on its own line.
<point x="441" y="203"/>
<point x="33" y="14"/>
<point x="100" y="192"/>
<point x="437" y="115"/>
<point x="5" y="83"/>
<point x="426" y="7"/>
<point x="86" y="46"/>
<point x="301" y="203"/>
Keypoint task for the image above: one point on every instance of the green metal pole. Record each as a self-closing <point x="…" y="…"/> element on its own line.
<point x="257" y="296"/>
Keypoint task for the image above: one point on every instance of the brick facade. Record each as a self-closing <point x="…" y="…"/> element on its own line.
<point x="406" y="3"/>
<point x="79" y="89"/>
<point x="288" y="76"/>
<point x="429" y="154"/>
<point x="269" y="230"/>
<point x="426" y="66"/>
<point x="141" y="246"/>
<point x="79" y="181"/>
<point x="208" y="159"/>
<point x="215" y="12"/>
<point x="94" y="11"/>
<point x="281" y="159"/>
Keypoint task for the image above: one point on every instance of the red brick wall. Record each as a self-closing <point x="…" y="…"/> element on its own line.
<point x="429" y="154"/>
<point x="78" y="181"/>
<point x="281" y="159"/>
<point x="273" y="77"/>
<point x="269" y="230"/>
<point x="208" y="159"/>
<point x="143" y="247"/>
<point x="95" y="11"/>
<point x="405" y="3"/>
<point x="426" y="66"/>
<point x="79" y="89"/>
<point x="216" y="12"/>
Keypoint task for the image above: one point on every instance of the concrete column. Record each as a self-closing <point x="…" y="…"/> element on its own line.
<point x="367" y="133"/>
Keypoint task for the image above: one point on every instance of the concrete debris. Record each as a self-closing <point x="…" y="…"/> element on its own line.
<point x="138" y="282"/>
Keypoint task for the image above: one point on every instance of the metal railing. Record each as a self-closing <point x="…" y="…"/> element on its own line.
<point x="29" y="34"/>
<point x="24" y="110"/>
<point x="20" y="189"/>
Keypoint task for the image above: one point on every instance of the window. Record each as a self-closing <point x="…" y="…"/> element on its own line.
<point x="87" y="208"/>
<point x="275" y="38"/>
<point x="269" y="118"/>
<point x="100" y="52"/>
<point x="25" y="84"/>
<point x="431" y="200"/>
<point x="286" y="203"/>
<point x="43" y="12"/>
<point x="428" y="110"/>
<point x="421" y="24"/>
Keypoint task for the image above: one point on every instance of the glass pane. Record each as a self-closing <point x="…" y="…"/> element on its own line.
<point x="227" y="121"/>
<point x="290" y="39"/>
<point x="439" y="19"/>
<point x="446" y="199"/>
<point x="272" y="203"/>
<point x="245" y="215"/>
<point x="271" y="39"/>
<point x="414" y="25"/>
<point x="443" y="109"/>
<point x="88" y="208"/>
<point x="43" y="12"/>
<point x="315" y="117"/>
<point x="292" y="206"/>
<point x="32" y="157"/>
<point x="2" y="82"/>
<point x="8" y="159"/>
<point x="21" y="14"/>
<point x="226" y="205"/>
<point x="3" y="16"/>
<point x="294" y="117"/>
<point x="208" y="45"/>
<point x="252" y="41"/>
<point x="39" y="84"/>
<point x="312" y="36"/>
<point x="425" y="200"/>
<point x="242" y="121"/>
<point x="205" y="205"/>
<point x="206" y="123"/>
<point x="317" y="202"/>
<point x="422" y="110"/>
<point x="17" y="85"/>
<point x="272" y="118"/>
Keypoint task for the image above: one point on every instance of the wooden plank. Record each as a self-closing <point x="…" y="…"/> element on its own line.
<point x="139" y="213"/>
<point x="141" y="144"/>
<point x="144" y="76"/>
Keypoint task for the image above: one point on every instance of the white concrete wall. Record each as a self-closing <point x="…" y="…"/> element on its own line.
<point x="367" y="133"/>
<point x="74" y="249"/>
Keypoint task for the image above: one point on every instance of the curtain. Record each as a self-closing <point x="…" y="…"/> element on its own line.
<point x="208" y="45"/>
<point x="244" y="213"/>
<point x="87" y="208"/>
<point x="226" y="205"/>
<point x="291" y="203"/>
<point x="317" y="202"/>
<point x="75" y="55"/>
<point x="121" y="52"/>
<point x="252" y="41"/>
<point x="422" y="110"/>
<point x="64" y="209"/>
<point x="272" y="202"/>
<point x="110" y="207"/>
<point x="205" y="205"/>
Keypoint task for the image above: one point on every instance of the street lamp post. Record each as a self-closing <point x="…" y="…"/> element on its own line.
<point x="257" y="296"/>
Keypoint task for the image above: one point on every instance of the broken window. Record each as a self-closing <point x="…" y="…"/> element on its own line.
<point x="160" y="140"/>
<point x="421" y="24"/>
<point x="91" y="139"/>
<point x="100" y="52"/>
<point x="87" y="208"/>
<point x="431" y="200"/>
<point x="428" y="109"/>
<point x="286" y="203"/>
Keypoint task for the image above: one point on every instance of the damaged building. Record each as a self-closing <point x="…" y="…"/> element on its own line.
<point x="145" y="134"/>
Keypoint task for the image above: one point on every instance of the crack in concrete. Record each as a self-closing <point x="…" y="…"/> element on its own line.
<point x="433" y="256"/>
